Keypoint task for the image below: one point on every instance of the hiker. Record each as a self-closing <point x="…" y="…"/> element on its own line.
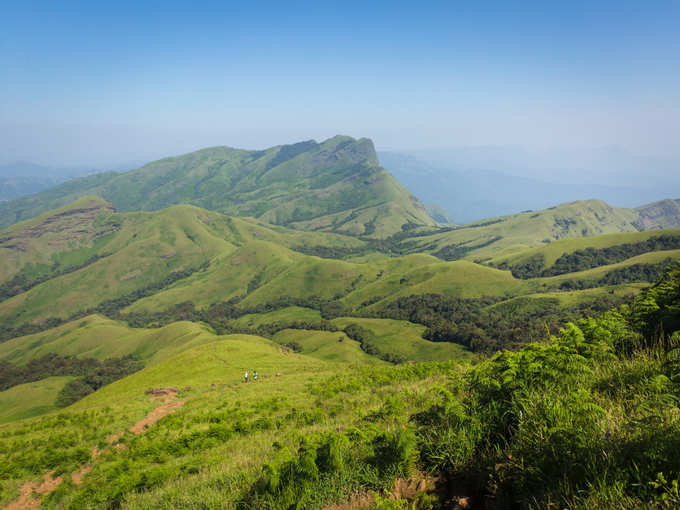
<point x="246" y="376"/>
<point x="254" y="375"/>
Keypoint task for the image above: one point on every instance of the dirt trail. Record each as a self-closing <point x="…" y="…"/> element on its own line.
<point x="31" y="493"/>
<point x="26" y="499"/>
<point x="155" y="415"/>
<point x="77" y="477"/>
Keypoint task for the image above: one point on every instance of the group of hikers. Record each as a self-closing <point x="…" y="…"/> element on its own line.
<point x="254" y="375"/>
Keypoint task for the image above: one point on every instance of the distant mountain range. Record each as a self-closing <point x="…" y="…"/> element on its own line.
<point x="471" y="193"/>
<point x="22" y="178"/>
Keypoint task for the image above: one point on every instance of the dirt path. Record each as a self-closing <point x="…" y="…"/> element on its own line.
<point x="26" y="500"/>
<point x="31" y="493"/>
<point x="155" y="415"/>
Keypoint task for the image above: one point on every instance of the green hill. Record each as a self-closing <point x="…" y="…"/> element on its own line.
<point x="506" y="235"/>
<point x="100" y="338"/>
<point x="336" y="185"/>
<point x="662" y="214"/>
<point x="77" y="257"/>
<point x="30" y="399"/>
<point x="63" y="237"/>
<point x="570" y="255"/>
<point x="363" y="358"/>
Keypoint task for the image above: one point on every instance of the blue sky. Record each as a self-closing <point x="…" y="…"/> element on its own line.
<point x="95" y="83"/>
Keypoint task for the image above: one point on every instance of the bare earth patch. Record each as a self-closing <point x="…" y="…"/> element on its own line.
<point x="30" y="493"/>
<point x="77" y="477"/>
<point x="155" y="415"/>
<point x="26" y="498"/>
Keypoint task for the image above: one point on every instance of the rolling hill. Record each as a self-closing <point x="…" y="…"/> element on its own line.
<point x="505" y="235"/>
<point x="336" y="185"/>
<point x="85" y="258"/>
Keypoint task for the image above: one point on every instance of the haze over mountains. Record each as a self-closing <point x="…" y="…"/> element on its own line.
<point x="22" y="178"/>
<point x="458" y="186"/>
<point x="473" y="184"/>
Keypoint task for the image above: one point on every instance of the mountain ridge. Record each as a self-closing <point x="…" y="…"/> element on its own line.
<point x="336" y="185"/>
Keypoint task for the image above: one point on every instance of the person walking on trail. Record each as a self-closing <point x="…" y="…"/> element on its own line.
<point x="254" y="375"/>
<point x="246" y="376"/>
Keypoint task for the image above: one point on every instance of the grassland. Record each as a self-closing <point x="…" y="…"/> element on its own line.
<point x="325" y="345"/>
<point x="400" y="338"/>
<point x="405" y="339"/>
<point x="100" y="338"/>
<point x="272" y="412"/>
<point x="288" y="314"/>
<point x="30" y="399"/>
<point x="144" y="249"/>
<point x="225" y="439"/>
<point x="507" y="235"/>
<point x="551" y="252"/>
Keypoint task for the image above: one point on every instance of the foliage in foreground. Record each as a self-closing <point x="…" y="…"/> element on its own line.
<point x="589" y="418"/>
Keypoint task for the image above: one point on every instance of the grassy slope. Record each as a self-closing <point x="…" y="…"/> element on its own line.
<point x="459" y="278"/>
<point x="405" y="339"/>
<point x="144" y="249"/>
<point x="662" y="214"/>
<point x="147" y="248"/>
<point x="594" y="274"/>
<point x="63" y="237"/>
<point x="553" y="251"/>
<point x="280" y="272"/>
<point x="30" y="399"/>
<point x="566" y="299"/>
<point x="98" y="337"/>
<point x="291" y="313"/>
<point x="291" y="274"/>
<point x="251" y="260"/>
<point x="521" y="231"/>
<point x="334" y="185"/>
<point x="326" y="345"/>
<point x="396" y="337"/>
<point x="211" y="376"/>
<point x="627" y="399"/>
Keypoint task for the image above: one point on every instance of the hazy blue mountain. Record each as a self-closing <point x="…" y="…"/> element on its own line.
<point x="15" y="187"/>
<point x="604" y="166"/>
<point x="473" y="194"/>
<point x="21" y="178"/>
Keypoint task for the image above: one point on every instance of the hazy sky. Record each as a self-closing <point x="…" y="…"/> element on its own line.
<point x="88" y="83"/>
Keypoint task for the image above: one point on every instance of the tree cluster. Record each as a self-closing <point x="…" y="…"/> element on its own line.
<point x="91" y="372"/>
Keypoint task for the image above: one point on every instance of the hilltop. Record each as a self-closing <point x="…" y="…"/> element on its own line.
<point x="662" y="214"/>
<point x="337" y="185"/>
<point x="514" y="233"/>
